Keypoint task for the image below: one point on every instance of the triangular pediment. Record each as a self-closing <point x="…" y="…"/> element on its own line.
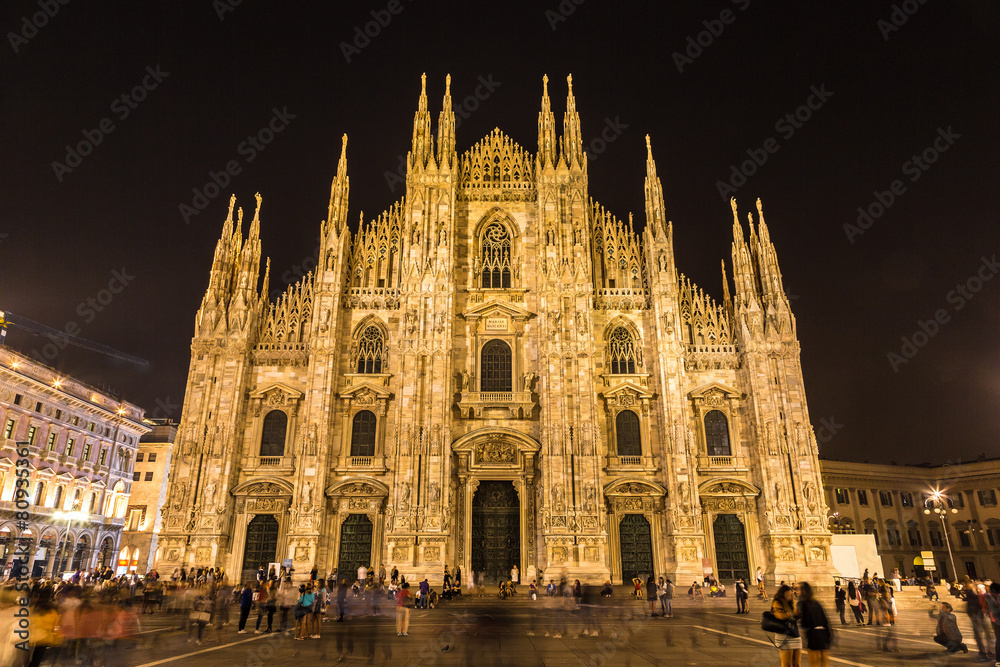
<point x="366" y="387"/>
<point x="494" y="307"/>
<point x="288" y="393"/>
<point x="625" y="388"/>
<point x="714" y="389"/>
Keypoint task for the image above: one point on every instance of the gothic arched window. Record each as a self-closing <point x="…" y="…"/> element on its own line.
<point x="627" y="434"/>
<point x="40" y="493"/>
<point x="371" y="350"/>
<point x="717" y="434"/>
<point x="272" y="436"/>
<point x="495" y="369"/>
<point x="622" y="352"/>
<point x="57" y="503"/>
<point x="363" y="434"/>
<point x="496" y="256"/>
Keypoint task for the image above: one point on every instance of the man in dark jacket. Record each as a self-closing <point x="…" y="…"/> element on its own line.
<point x="974" y="610"/>
<point x="948" y="634"/>
<point x="840" y="598"/>
<point x="246" y="603"/>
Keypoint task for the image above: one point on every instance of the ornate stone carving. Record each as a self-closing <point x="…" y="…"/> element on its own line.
<point x="496" y="451"/>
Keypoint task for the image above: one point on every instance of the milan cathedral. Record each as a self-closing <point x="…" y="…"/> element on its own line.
<point x="494" y="372"/>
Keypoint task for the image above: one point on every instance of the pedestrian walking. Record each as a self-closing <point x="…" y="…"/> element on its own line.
<point x="267" y="603"/>
<point x="651" y="596"/>
<point x="854" y="600"/>
<point x="287" y="598"/>
<point x="760" y="583"/>
<point x="246" y="604"/>
<point x="403" y="611"/>
<point x="303" y="611"/>
<point x="742" y="597"/>
<point x="790" y="646"/>
<point x="992" y="600"/>
<point x="819" y="636"/>
<point x="974" y="610"/>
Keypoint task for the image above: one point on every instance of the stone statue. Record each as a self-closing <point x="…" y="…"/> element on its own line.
<point x="557" y="497"/>
<point x="809" y="491"/>
<point x="434" y="494"/>
<point x="307" y="495"/>
<point x="404" y="496"/>
<point x="411" y="320"/>
<point x="313" y="439"/>
<point x="475" y="266"/>
<point x="588" y="498"/>
<point x="527" y="379"/>
<point x="210" y="494"/>
<point x="463" y="381"/>
<point x="443" y="237"/>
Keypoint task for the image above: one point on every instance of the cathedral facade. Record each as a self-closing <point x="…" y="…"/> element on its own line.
<point x="497" y="371"/>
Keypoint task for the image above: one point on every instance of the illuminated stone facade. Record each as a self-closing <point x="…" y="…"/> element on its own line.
<point x="497" y="371"/>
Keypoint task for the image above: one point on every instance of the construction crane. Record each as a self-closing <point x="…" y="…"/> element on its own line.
<point x="8" y="319"/>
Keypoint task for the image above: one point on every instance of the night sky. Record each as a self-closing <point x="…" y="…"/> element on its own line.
<point x="891" y="83"/>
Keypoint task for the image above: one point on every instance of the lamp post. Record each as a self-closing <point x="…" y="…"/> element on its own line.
<point x="74" y="514"/>
<point x="938" y="503"/>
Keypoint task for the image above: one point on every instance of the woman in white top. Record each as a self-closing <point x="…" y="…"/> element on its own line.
<point x="515" y="576"/>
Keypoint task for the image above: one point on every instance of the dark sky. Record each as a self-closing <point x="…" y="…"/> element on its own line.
<point x="892" y="91"/>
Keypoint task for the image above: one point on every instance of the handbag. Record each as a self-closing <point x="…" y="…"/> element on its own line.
<point x="771" y="623"/>
<point x="200" y="616"/>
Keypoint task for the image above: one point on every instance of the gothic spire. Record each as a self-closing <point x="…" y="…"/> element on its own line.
<point x="767" y="261"/>
<point x="744" y="280"/>
<point x="421" y="150"/>
<point x="339" y="189"/>
<point x="446" y="129"/>
<point x="546" y="129"/>
<point x="572" y="140"/>
<point x="654" y="192"/>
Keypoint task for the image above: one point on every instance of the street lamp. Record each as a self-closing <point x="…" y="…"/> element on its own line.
<point x="74" y="515"/>
<point x="938" y="503"/>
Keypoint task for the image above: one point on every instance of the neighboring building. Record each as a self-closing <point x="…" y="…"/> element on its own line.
<point x="143" y="520"/>
<point x="82" y="445"/>
<point x="888" y="502"/>
<point x="496" y="371"/>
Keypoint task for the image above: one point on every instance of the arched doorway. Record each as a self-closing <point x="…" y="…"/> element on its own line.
<point x="496" y="530"/>
<point x="81" y="553"/>
<point x="355" y="545"/>
<point x="107" y="546"/>
<point x="730" y="548"/>
<point x="636" y="547"/>
<point x="261" y="546"/>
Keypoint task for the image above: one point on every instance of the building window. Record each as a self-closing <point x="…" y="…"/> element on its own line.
<point x="874" y="533"/>
<point x="52" y="442"/>
<point x="371" y="351"/>
<point x="69" y="446"/>
<point x="86" y="451"/>
<point x="862" y="497"/>
<point x="57" y="503"/>
<point x="136" y="476"/>
<point x="496" y="257"/>
<point x="914" y="536"/>
<point x="963" y="538"/>
<point x="152" y="458"/>
<point x="717" y="434"/>
<point x="495" y="369"/>
<point x="988" y="498"/>
<point x="40" y="494"/>
<point x="906" y="499"/>
<point x="17" y="399"/>
<point x="8" y="430"/>
<point x="272" y="438"/>
<point x="93" y="502"/>
<point x="627" y="434"/>
<point x="32" y="432"/>
<point x="885" y="497"/>
<point x="957" y="500"/>
<point x="892" y="535"/>
<point x="621" y="352"/>
<point x="843" y="497"/>
<point x="76" y="420"/>
<point x="937" y="539"/>
<point x="149" y="476"/>
<point x="993" y="536"/>
<point x="363" y="434"/>
<point x="38" y="406"/>
<point x="138" y="457"/>
<point x="102" y="457"/>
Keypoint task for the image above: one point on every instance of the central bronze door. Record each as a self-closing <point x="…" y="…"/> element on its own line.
<point x="636" y="542"/>
<point x="730" y="548"/>
<point x="262" y="543"/>
<point x="355" y="546"/>
<point x="496" y="531"/>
